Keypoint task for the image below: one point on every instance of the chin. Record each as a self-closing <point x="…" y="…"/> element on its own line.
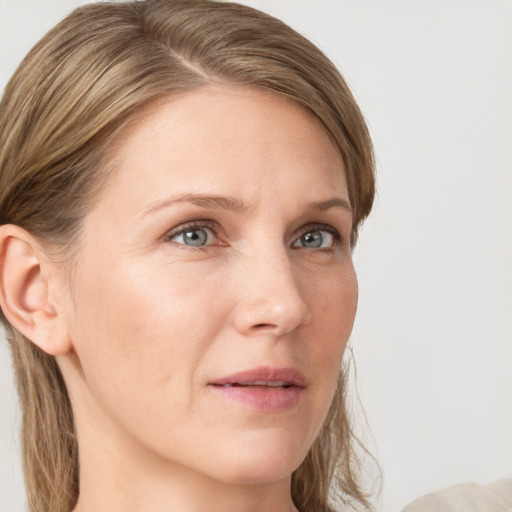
<point x="261" y="461"/>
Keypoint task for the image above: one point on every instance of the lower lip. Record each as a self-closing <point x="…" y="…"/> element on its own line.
<point x="266" y="399"/>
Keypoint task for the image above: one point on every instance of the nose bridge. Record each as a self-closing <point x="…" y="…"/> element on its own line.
<point x="271" y="299"/>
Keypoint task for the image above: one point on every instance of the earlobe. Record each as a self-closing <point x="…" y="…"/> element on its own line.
<point x="24" y="291"/>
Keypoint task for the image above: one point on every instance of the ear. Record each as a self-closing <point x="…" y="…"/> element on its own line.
<point x="26" y="274"/>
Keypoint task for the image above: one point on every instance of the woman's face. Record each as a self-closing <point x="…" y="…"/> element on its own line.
<point x="214" y="291"/>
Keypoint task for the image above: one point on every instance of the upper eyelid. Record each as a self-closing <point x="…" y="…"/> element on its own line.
<point x="197" y="224"/>
<point x="320" y="227"/>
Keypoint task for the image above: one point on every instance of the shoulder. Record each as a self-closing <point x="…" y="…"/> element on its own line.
<point x="496" y="497"/>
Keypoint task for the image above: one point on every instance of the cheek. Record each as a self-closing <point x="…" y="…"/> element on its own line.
<point x="333" y="303"/>
<point x="139" y="306"/>
<point x="335" y="315"/>
<point x="141" y="329"/>
<point x="140" y="334"/>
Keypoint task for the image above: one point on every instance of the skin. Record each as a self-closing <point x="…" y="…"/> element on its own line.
<point x="149" y="321"/>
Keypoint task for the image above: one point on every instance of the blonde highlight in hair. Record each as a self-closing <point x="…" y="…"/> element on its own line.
<point x="61" y="111"/>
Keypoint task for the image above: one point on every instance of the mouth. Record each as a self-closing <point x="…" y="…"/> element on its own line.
<point x="263" y="377"/>
<point x="257" y="383"/>
<point x="265" y="389"/>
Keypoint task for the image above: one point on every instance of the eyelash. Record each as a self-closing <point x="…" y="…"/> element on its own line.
<point x="201" y="224"/>
<point x="338" y="239"/>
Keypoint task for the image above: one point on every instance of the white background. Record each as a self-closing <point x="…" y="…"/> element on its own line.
<point x="433" y="337"/>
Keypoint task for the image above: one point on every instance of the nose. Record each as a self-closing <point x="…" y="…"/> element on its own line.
<point x="270" y="300"/>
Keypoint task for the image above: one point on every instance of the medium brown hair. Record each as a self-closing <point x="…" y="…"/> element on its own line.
<point x="75" y="90"/>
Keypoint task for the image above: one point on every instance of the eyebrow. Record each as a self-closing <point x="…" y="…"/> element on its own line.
<point x="233" y="204"/>
<point x="338" y="202"/>
<point x="212" y="202"/>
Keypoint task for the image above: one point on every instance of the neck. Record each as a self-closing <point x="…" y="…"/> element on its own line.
<point x="186" y="493"/>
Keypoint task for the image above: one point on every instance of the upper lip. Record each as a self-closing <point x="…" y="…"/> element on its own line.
<point x="263" y="376"/>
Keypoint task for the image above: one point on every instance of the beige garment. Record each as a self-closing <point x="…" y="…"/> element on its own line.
<point x="496" y="497"/>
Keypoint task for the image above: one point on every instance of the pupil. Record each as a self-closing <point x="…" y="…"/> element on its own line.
<point x="313" y="239"/>
<point x="196" y="237"/>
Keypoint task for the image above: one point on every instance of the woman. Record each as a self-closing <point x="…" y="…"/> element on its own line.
<point x="182" y="184"/>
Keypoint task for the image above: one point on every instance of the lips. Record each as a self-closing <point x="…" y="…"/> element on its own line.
<point x="264" y="389"/>
<point x="263" y="377"/>
<point x="260" y="383"/>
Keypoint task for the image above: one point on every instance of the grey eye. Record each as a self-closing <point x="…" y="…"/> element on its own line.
<point x="194" y="237"/>
<point x="315" y="239"/>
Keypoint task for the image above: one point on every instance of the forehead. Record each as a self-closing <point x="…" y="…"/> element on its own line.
<point x="225" y="140"/>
